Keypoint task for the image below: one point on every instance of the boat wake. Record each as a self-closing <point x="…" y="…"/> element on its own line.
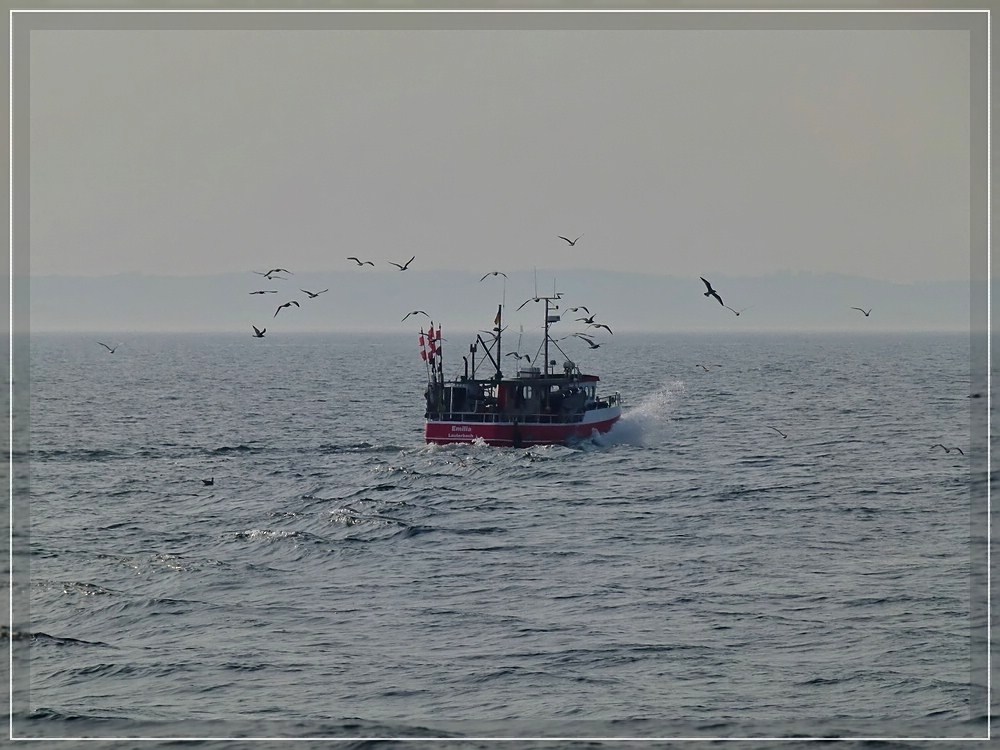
<point x="647" y="422"/>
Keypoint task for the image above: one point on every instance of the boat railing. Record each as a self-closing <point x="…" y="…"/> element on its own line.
<point x="605" y="402"/>
<point x="490" y="417"/>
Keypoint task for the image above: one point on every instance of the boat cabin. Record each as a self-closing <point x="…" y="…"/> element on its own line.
<point x="529" y="397"/>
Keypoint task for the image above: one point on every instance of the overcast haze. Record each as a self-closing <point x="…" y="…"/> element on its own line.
<point x="673" y="152"/>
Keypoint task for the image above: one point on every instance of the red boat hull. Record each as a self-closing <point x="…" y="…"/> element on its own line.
<point x="507" y="434"/>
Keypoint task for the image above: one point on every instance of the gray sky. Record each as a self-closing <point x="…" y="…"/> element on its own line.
<point x="680" y="153"/>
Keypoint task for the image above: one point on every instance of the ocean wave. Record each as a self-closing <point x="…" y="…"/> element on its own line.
<point x="72" y="587"/>
<point x="128" y="670"/>
<point x="39" y="637"/>
<point x="360" y="447"/>
<point x="51" y="714"/>
<point x="361" y="491"/>
<point x="86" y="589"/>
<point x="350" y="517"/>
<point x="242" y="448"/>
<point x="75" y="454"/>
<point x="276" y="535"/>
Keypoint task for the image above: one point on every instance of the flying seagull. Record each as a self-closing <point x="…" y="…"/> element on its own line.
<point x="404" y="266"/>
<point x="265" y="291"/>
<point x="533" y="299"/>
<point x="313" y="295"/>
<point x="866" y="312"/>
<point x="737" y="312"/>
<point x="947" y="449"/>
<point x="601" y="325"/>
<point x="267" y="274"/>
<point x="361" y="262"/>
<point x="493" y="334"/>
<point x="589" y="341"/>
<point x="571" y="242"/>
<point x="705" y="367"/>
<point x="589" y="321"/>
<point x="494" y="273"/>
<point x="577" y="309"/>
<point x="415" y="312"/>
<point x="519" y="356"/>
<point x="108" y="347"/>
<point x="776" y="430"/>
<point x="259" y="332"/>
<point x="711" y="292"/>
<point x="293" y="302"/>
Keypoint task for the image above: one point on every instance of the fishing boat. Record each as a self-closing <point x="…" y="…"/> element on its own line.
<point x="537" y="406"/>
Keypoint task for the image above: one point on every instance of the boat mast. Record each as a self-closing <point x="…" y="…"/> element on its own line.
<point x="498" y="324"/>
<point x="546" y="371"/>
<point x="550" y="317"/>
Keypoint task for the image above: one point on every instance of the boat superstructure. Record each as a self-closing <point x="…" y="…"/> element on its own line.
<point x="537" y="406"/>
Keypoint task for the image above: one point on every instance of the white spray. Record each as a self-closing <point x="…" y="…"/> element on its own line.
<point x="647" y="422"/>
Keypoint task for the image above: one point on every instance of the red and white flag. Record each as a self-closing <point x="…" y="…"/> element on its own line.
<point x="423" y="346"/>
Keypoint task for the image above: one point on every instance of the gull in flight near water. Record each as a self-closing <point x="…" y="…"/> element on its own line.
<point x="947" y="449"/>
<point x="711" y="292"/>
<point x="592" y="344"/>
<point x="313" y="295"/>
<point x="776" y="430"/>
<point x="415" y="312"/>
<point x="258" y="333"/>
<point x="494" y="273"/>
<point x="866" y="312"/>
<point x="571" y="242"/>
<point x="361" y="262"/>
<point x="110" y="349"/>
<point x="494" y="333"/>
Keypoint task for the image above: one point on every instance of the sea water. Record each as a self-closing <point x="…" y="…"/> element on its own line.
<point x="692" y="574"/>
